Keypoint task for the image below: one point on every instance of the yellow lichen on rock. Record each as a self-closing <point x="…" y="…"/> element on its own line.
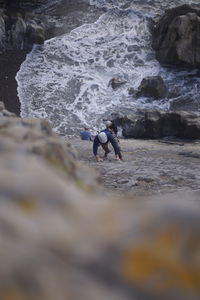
<point x="160" y="262"/>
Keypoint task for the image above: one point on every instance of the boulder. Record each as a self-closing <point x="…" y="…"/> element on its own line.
<point x="176" y="37"/>
<point x="152" y="86"/>
<point x="158" y="124"/>
<point x="116" y="82"/>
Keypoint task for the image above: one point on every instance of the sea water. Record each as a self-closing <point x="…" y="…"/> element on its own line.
<point x="66" y="80"/>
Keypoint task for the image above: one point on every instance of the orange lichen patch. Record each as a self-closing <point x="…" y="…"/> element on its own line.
<point x="159" y="263"/>
<point x="27" y="204"/>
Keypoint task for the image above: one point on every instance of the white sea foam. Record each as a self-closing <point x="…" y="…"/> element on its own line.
<point x="67" y="79"/>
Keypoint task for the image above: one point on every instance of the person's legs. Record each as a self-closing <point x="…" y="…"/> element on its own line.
<point x="118" y="142"/>
<point x="106" y="149"/>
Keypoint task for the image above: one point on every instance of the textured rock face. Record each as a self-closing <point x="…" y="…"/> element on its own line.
<point x="55" y="251"/>
<point x="58" y="241"/>
<point x="21" y="4"/>
<point x="176" y="37"/>
<point x="29" y="140"/>
<point x="156" y="124"/>
<point x="152" y="86"/>
<point x="17" y="32"/>
<point x="185" y="103"/>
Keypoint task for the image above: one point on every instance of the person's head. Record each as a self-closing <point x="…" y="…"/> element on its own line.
<point x="102" y="137"/>
<point x="86" y="128"/>
<point x="108" y="123"/>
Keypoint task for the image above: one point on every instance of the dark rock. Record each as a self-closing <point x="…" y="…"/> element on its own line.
<point x="15" y="5"/>
<point x="186" y="103"/>
<point x="137" y="128"/>
<point x="2" y="30"/>
<point x="132" y="91"/>
<point x="145" y="179"/>
<point x="35" y="33"/>
<point x="158" y="124"/>
<point x="176" y="37"/>
<point x="190" y="154"/>
<point x="152" y="86"/>
<point x="116" y="82"/>
<point x="18" y="32"/>
<point x="174" y="92"/>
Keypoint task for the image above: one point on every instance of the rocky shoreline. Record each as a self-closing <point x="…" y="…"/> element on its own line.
<point x="149" y="167"/>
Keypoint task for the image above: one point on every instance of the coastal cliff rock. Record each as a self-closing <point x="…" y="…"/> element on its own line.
<point x="61" y="240"/>
<point x="157" y="124"/>
<point x="185" y="103"/>
<point x="18" y="32"/>
<point x="152" y="86"/>
<point x="21" y="4"/>
<point x="20" y="27"/>
<point x="36" y="21"/>
<point x="176" y="37"/>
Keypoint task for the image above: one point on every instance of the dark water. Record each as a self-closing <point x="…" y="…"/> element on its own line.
<point x="67" y="80"/>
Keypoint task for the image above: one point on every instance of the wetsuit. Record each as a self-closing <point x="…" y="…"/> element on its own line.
<point x="111" y="139"/>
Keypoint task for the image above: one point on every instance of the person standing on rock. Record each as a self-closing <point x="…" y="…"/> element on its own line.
<point x="102" y="139"/>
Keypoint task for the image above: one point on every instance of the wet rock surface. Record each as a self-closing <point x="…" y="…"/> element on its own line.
<point x="159" y="124"/>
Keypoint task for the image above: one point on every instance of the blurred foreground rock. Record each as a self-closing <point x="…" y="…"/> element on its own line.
<point x="26" y="144"/>
<point x="61" y="241"/>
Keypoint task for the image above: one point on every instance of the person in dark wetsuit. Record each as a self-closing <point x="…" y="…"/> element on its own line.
<point x="102" y="139"/>
<point x="110" y="125"/>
